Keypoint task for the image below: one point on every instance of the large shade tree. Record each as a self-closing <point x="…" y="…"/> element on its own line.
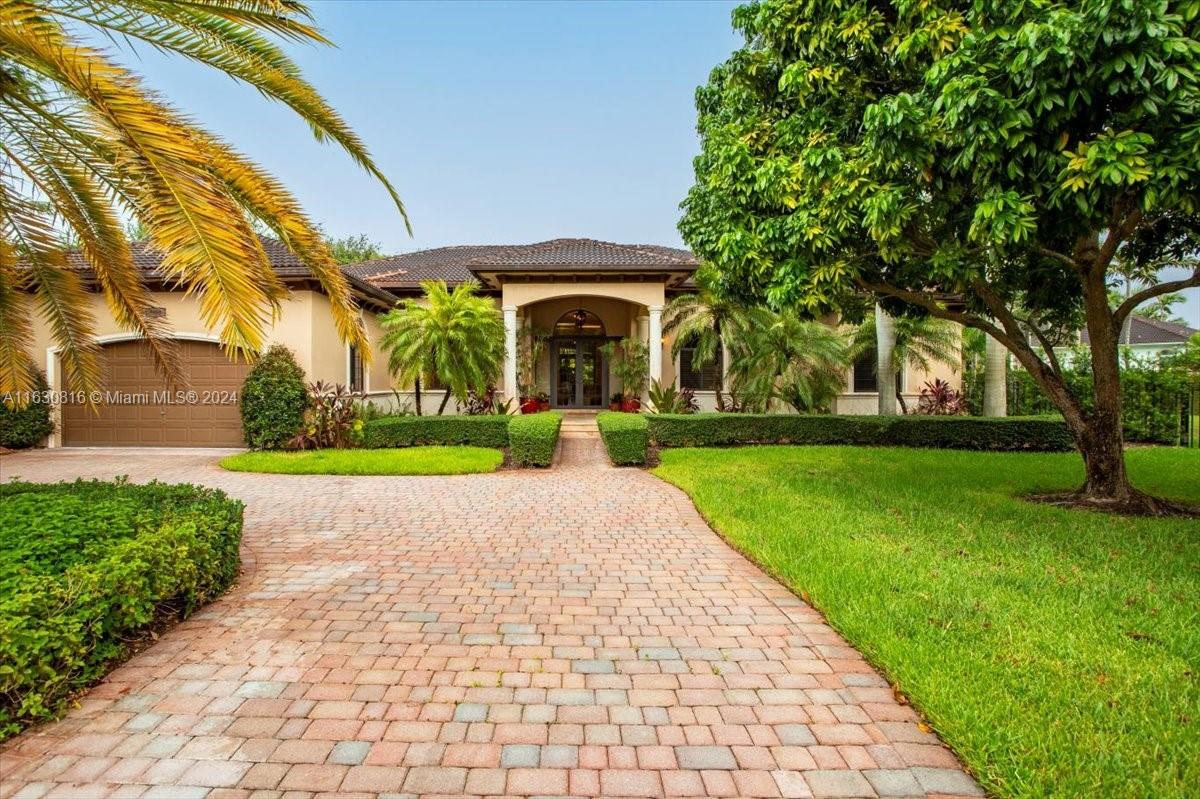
<point x="85" y="145"/>
<point x="453" y="337"/>
<point x="987" y="163"/>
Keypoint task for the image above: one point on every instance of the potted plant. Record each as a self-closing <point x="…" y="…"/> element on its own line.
<point x="531" y="346"/>
<point x="629" y="361"/>
<point x="530" y="405"/>
<point x="543" y="401"/>
<point x="614" y="404"/>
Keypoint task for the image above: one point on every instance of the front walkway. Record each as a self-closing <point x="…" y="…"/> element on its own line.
<point x="579" y="631"/>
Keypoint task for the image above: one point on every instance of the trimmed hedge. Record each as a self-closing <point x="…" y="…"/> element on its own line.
<point x="87" y="567"/>
<point x="625" y="436"/>
<point x="533" y="437"/>
<point x="939" y="432"/>
<point x="273" y="400"/>
<point x="411" y="431"/>
<point x="28" y="426"/>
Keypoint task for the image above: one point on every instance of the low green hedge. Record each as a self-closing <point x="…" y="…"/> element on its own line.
<point x="533" y="437"/>
<point x="625" y="436"/>
<point x="940" y="432"/>
<point x="411" y="431"/>
<point x="26" y="426"/>
<point x="87" y="567"/>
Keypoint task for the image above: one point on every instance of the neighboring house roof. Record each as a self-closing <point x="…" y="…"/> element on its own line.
<point x="286" y="264"/>
<point x="1144" y="330"/>
<point x="459" y="264"/>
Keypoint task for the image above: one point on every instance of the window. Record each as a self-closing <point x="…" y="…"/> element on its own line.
<point x="695" y="377"/>
<point x="579" y="323"/>
<point x="866" y="381"/>
<point x="354" y="376"/>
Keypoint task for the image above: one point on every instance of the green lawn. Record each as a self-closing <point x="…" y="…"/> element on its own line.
<point x="1057" y="651"/>
<point x="403" y="460"/>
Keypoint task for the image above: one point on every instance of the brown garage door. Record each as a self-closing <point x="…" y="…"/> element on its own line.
<point x="138" y="410"/>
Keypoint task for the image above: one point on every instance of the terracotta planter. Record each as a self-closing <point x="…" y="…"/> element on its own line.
<point x="614" y="406"/>
<point x="631" y="405"/>
<point x="530" y="406"/>
<point x="543" y="405"/>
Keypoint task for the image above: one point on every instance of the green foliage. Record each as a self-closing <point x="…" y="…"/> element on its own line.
<point x="354" y="249"/>
<point x="533" y="437"/>
<point x="921" y="342"/>
<point x="944" y="432"/>
<point x="531" y="346"/>
<point x="625" y="436"/>
<point x="86" y="567"/>
<point x="273" y="399"/>
<point x="1151" y="394"/>
<point x="453" y="336"/>
<point x="669" y="399"/>
<point x="332" y="419"/>
<point x="629" y="362"/>
<point x="409" y="460"/>
<point x="411" y="431"/>
<point x="1053" y="650"/>
<point x="26" y="426"/>
<point x="782" y="355"/>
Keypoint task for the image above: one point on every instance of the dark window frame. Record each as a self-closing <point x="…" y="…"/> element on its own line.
<point x="706" y="378"/>
<point x="355" y="376"/>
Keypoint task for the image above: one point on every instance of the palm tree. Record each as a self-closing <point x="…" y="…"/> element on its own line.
<point x="784" y="355"/>
<point x="86" y="144"/>
<point x="919" y="342"/>
<point x="455" y="337"/>
<point x="705" y="321"/>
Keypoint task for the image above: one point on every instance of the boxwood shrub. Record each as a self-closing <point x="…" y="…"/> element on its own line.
<point x="410" y="431"/>
<point x="87" y="567"/>
<point x="27" y="426"/>
<point x="944" y="432"/>
<point x="625" y="437"/>
<point x="533" y="437"/>
<point x="273" y="399"/>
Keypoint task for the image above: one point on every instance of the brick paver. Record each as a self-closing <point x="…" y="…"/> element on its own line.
<point x="578" y="631"/>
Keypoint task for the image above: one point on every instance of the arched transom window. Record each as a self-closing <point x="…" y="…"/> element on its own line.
<point x="579" y="323"/>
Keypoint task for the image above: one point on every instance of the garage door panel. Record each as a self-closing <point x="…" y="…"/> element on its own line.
<point x="147" y="420"/>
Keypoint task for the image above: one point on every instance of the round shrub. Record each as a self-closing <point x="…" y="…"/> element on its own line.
<point x="273" y="399"/>
<point x="28" y="426"/>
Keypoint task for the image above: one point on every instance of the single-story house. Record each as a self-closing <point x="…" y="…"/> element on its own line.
<point x="583" y="292"/>
<point x="1143" y="337"/>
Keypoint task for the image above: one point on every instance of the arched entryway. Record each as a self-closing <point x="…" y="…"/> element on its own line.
<point x="578" y="370"/>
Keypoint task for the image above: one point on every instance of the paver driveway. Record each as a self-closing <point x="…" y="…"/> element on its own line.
<point x="579" y="631"/>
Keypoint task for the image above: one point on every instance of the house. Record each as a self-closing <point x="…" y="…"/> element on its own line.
<point x="1146" y="338"/>
<point x="581" y="291"/>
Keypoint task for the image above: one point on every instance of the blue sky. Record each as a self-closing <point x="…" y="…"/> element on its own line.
<point x="499" y="122"/>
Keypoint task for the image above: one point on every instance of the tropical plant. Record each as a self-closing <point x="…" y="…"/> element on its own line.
<point x="705" y="321"/>
<point x="987" y="163"/>
<point x="26" y="425"/>
<point x="455" y="337"/>
<point x="86" y="142"/>
<point x="531" y="346"/>
<point x="783" y="355"/>
<point x="273" y="399"/>
<point x="669" y="399"/>
<point x="332" y="419"/>
<point x="483" y="403"/>
<point x="939" y="398"/>
<point x="921" y="341"/>
<point x="629" y="362"/>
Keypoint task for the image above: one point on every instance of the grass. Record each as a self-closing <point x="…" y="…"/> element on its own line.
<point x="405" y="460"/>
<point x="1057" y="651"/>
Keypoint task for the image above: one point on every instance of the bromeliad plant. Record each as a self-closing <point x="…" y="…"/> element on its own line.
<point x="939" y="398"/>
<point x="669" y="399"/>
<point x="332" y="419"/>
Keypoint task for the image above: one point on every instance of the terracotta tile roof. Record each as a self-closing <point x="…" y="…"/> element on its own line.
<point x="458" y="264"/>
<point x="1144" y="330"/>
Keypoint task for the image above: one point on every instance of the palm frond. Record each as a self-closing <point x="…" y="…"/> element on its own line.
<point x="16" y="331"/>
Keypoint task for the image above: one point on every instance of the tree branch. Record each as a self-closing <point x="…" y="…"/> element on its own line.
<point x="1058" y="256"/>
<point x="1150" y="292"/>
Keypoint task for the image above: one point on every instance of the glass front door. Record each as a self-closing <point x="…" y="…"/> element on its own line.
<point x="580" y="375"/>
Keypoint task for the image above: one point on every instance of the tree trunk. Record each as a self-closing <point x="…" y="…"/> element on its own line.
<point x="995" y="378"/>
<point x="900" y="401"/>
<point x="445" y="399"/>
<point x="885" y="343"/>
<point x="720" y="366"/>
<point x="417" y="394"/>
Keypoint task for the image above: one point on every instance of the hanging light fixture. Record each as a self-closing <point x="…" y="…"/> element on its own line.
<point x="580" y="316"/>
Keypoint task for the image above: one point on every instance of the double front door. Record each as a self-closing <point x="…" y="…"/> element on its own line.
<point x="580" y="375"/>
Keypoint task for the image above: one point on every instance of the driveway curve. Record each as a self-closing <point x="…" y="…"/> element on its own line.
<point x="579" y="631"/>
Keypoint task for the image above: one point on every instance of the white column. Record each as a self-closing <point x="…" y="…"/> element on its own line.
<point x="510" y="352"/>
<point x="885" y="343"/>
<point x="995" y="378"/>
<point x="656" y="342"/>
